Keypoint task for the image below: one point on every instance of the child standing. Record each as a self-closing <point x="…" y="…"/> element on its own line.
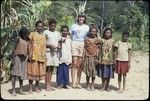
<point x="90" y="57"/>
<point x="65" y="59"/>
<point x="105" y="71"/>
<point x="123" y="54"/>
<point x="37" y="57"/>
<point x="19" y="62"/>
<point x="52" y="52"/>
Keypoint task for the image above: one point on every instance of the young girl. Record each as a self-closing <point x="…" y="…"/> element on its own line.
<point x="52" y="52"/>
<point x="123" y="54"/>
<point x="105" y="71"/>
<point x="65" y="59"/>
<point x="37" y="56"/>
<point x="90" y="57"/>
<point x="19" y="62"/>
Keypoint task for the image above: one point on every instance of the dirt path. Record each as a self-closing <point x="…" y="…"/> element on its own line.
<point x="137" y="86"/>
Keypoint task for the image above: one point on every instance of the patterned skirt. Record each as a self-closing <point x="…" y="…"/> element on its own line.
<point x="89" y="66"/>
<point x="36" y="70"/>
<point x="19" y="66"/>
<point x="122" y="67"/>
<point x="105" y="71"/>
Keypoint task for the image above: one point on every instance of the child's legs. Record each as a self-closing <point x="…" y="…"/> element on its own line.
<point x="107" y="83"/>
<point x="74" y="69"/>
<point x="124" y="81"/>
<point x="103" y="81"/>
<point x="93" y="80"/>
<point x="21" y="83"/>
<point x="119" y="81"/>
<point x="47" y="80"/>
<point x="51" y="74"/>
<point x="87" y="80"/>
<point x="13" y="83"/>
<point x="36" y="86"/>
<point x="79" y="70"/>
<point x="30" y="85"/>
<point x="66" y="74"/>
<point x="60" y="76"/>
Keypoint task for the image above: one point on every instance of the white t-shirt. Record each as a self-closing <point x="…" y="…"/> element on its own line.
<point x="52" y="38"/>
<point x="123" y="48"/>
<point x="65" y="53"/>
<point x="78" y="32"/>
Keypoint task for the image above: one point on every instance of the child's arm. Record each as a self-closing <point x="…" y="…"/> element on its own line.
<point x="129" y="55"/>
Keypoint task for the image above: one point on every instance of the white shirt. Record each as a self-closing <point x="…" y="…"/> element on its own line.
<point x="52" y="38"/>
<point x="79" y="32"/>
<point x="65" y="53"/>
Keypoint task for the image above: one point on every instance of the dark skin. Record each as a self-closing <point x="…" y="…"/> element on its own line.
<point x="93" y="38"/>
<point x="39" y="29"/>
<point x="124" y="39"/>
<point x="64" y="33"/>
<point x="49" y="70"/>
<point x="14" y="78"/>
<point x="105" y="81"/>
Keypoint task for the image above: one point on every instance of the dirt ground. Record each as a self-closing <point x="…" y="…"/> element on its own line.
<point x="137" y="86"/>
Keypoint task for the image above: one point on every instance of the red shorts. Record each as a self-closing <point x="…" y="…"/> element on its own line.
<point x="122" y="67"/>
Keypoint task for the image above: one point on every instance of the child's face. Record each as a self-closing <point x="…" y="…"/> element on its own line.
<point x="107" y="34"/>
<point x="93" y="32"/>
<point x="52" y="27"/>
<point x="40" y="27"/>
<point x="64" y="32"/>
<point x="124" y="37"/>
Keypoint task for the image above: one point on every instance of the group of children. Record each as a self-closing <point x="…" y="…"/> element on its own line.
<point x="37" y="54"/>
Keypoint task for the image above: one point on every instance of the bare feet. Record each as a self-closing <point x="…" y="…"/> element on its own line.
<point x="13" y="94"/>
<point x="47" y="89"/>
<point x="79" y="86"/>
<point x="59" y="87"/>
<point x="65" y="87"/>
<point x="102" y="89"/>
<point x="30" y="92"/>
<point x="107" y="89"/>
<point x="92" y="88"/>
<point x="73" y="85"/>
<point x="37" y="90"/>
<point x="88" y="88"/>
<point x="22" y="93"/>
<point x="119" y="91"/>
<point x="52" y="88"/>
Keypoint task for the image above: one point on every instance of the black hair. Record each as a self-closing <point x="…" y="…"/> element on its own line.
<point x="23" y="33"/>
<point x="52" y="20"/>
<point x="91" y="29"/>
<point x="81" y="15"/>
<point x="65" y="26"/>
<point x="39" y="21"/>
<point x="125" y="33"/>
<point x="106" y="29"/>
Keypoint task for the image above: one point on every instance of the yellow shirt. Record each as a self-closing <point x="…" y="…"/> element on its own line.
<point x="38" y="45"/>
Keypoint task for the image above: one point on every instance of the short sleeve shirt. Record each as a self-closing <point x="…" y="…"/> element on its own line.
<point x="122" y="53"/>
<point x="53" y="38"/>
<point x="79" y="32"/>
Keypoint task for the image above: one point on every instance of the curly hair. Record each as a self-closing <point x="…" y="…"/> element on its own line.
<point x="52" y="20"/>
